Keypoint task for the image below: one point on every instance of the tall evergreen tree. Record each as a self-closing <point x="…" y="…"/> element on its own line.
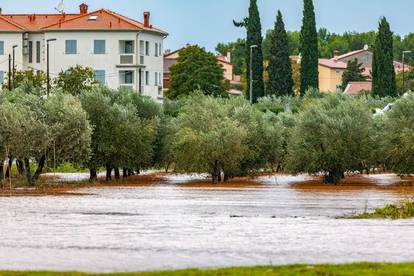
<point x="254" y="37"/>
<point x="383" y="73"/>
<point x="280" y="67"/>
<point x="353" y="72"/>
<point x="309" y="49"/>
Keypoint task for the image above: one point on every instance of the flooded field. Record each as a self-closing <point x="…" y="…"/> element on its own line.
<point x="172" y="225"/>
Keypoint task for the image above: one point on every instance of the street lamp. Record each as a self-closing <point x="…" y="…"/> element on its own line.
<point x="251" y="72"/>
<point x="14" y="64"/>
<point x="47" y="64"/>
<point x="403" y="62"/>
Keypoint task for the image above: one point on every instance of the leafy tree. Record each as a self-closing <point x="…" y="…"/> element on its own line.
<point x="76" y="79"/>
<point x="35" y="80"/>
<point x="41" y="130"/>
<point x="398" y="136"/>
<point x="409" y="81"/>
<point x="332" y="135"/>
<point x="280" y="66"/>
<point x="196" y="69"/>
<point x="383" y="73"/>
<point x="123" y="137"/>
<point x="309" y="49"/>
<point x="353" y="72"/>
<point x="254" y="38"/>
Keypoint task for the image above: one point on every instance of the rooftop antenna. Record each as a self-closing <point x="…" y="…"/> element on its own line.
<point x="61" y="7"/>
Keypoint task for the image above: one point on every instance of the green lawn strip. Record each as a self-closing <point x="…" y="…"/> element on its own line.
<point x="356" y="269"/>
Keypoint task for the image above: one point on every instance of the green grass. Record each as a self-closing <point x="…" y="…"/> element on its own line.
<point x="366" y="269"/>
<point x="404" y="210"/>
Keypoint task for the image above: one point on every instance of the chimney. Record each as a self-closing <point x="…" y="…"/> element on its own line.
<point x="336" y="54"/>
<point x="147" y="19"/>
<point x="228" y="57"/>
<point x="83" y="8"/>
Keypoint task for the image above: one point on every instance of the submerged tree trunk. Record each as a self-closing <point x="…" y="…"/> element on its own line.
<point x="40" y="166"/>
<point x="1" y="170"/>
<point x="108" y="172"/>
<point x="28" y="173"/>
<point x="117" y="174"/>
<point x="93" y="175"/>
<point x="20" y="166"/>
<point x="333" y="177"/>
<point x="8" y="168"/>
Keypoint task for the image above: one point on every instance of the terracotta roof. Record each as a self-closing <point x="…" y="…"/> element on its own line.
<point x="358" y="87"/>
<point x="349" y="54"/>
<point x="330" y="63"/>
<point x="105" y="20"/>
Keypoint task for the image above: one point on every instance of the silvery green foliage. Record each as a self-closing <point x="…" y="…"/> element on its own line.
<point x="225" y="135"/>
<point x="332" y="135"/>
<point x="398" y="136"/>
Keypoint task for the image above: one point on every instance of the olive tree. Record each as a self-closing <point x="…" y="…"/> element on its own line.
<point x="398" y="136"/>
<point x="332" y="135"/>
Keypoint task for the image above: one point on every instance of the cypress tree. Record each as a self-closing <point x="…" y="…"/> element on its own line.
<point x="383" y="73"/>
<point x="309" y="49"/>
<point x="254" y="37"/>
<point x="280" y="67"/>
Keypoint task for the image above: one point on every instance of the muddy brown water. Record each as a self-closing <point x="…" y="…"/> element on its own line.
<point x="171" y="225"/>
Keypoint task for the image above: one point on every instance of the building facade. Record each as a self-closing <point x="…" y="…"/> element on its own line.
<point x="121" y="51"/>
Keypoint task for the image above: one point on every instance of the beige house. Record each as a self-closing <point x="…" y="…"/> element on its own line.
<point x="330" y="74"/>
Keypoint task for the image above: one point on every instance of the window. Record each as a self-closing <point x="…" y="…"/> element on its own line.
<point x="156" y="79"/>
<point x="38" y="52"/>
<point x="141" y="51"/>
<point x="1" y="77"/>
<point x="126" y="77"/>
<point x="147" y="78"/>
<point x="159" y="49"/>
<point x="93" y="18"/>
<point x="99" y="76"/>
<point x="30" y="51"/>
<point x="159" y="79"/>
<point x="147" y="48"/>
<point x="1" y="47"/>
<point x="126" y="46"/>
<point x="71" y="47"/>
<point x="99" y="47"/>
<point x="156" y="49"/>
<point x="338" y="72"/>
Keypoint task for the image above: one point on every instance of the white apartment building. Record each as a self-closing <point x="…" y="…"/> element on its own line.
<point x="120" y="50"/>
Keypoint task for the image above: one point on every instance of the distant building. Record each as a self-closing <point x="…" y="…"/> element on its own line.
<point x="121" y="51"/>
<point x="358" y="87"/>
<point x="331" y="70"/>
<point x="171" y="58"/>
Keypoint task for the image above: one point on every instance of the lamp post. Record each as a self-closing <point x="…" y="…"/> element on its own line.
<point x="14" y="64"/>
<point x="251" y="72"/>
<point x="403" y="62"/>
<point x="47" y="65"/>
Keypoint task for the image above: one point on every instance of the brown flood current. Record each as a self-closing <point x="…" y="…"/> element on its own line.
<point x="157" y="222"/>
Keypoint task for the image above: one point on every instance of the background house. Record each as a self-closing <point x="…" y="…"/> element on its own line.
<point x="121" y="51"/>
<point x="171" y="58"/>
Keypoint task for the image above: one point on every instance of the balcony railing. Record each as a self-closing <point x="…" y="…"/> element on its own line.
<point x="127" y="59"/>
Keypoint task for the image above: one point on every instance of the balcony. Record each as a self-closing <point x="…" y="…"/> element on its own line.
<point x="126" y="59"/>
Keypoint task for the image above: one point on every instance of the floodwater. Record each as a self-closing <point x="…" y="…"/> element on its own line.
<point x="174" y="226"/>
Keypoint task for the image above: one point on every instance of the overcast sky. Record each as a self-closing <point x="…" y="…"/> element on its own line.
<point x="207" y="22"/>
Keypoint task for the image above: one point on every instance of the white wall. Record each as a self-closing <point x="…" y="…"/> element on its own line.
<point x="110" y="61"/>
<point x="10" y="39"/>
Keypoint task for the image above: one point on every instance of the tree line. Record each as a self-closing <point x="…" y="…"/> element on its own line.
<point x="272" y="54"/>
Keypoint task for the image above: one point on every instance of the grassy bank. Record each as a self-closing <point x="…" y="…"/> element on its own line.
<point x="403" y="210"/>
<point x="366" y="269"/>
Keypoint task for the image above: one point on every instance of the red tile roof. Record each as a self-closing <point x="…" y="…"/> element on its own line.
<point x="358" y="87"/>
<point x="350" y="54"/>
<point x="330" y="63"/>
<point x="106" y="20"/>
